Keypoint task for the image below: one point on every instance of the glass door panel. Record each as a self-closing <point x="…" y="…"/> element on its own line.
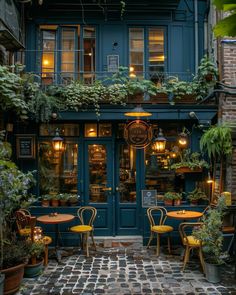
<point x="97" y="157"/>
<point x="127" y="174"/>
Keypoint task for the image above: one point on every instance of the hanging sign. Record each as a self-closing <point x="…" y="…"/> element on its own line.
<point x="138" y="134"/>
<point x="25" y="146"/>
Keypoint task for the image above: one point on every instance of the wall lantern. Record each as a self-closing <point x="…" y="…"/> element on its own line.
<point x="138" y="112"/>
<point x="57" y="142"/>
<point x="209" y="179"/>
<point x="159" y="143"/>
<point x="183" y="139"/>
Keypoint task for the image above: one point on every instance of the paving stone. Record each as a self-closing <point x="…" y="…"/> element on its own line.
<point x="120" y="271"/>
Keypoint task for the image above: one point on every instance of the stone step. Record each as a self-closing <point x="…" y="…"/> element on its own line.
<point x="119" y="241"/>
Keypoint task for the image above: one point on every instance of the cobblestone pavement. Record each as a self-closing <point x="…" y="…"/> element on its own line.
<point x="124" y="271"/>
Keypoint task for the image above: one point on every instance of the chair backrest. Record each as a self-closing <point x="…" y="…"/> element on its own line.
<point x="151" y="211"/>
<point x="25" y="221"/>
<point x="86" y="215"/>
<point x="184" y="226"/>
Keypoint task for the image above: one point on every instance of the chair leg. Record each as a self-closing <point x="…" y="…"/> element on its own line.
<point x="169" y="245"/>
<point x="93" y="241"/>
<point x="45" y="255"/>
<point x="201" y="259"/>
<point x="150" y="239"/>
<point x="86" y="242"/>
<point x="158" y="244"/>
<point x="186" y="257"/>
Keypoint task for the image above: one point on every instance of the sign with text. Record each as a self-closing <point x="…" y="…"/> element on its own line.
<point x="25" y="146"/>
<point x="149" y="198"/>
<point x="113" y="63"/>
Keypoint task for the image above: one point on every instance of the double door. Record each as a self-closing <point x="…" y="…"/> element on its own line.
<point x="110" y="185"/>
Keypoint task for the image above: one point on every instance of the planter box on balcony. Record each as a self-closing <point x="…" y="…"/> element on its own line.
<point x="188" y="170"/>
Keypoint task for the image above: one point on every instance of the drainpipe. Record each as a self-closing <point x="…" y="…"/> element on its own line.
<point x="196" y="33"/>
<point x="206" y="33"/>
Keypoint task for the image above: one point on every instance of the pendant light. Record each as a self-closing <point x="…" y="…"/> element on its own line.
<point x="159" y="143"/>
<point x="57" y="142"/>
<point x="138" y="112"/>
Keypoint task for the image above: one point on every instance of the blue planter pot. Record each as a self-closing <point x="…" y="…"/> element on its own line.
<point x="33" y="270"/>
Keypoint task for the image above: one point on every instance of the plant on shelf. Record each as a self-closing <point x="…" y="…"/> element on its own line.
<point x="45" y="200"/>
<point x="207" y="70"/>
<point x="170" y="197"/>
<point x="196" y="195"/>
<point x="13" y="195"/>
<point x="191" y="161"/>
<point x="73" y="199"/>
<point x="211" y="236"/>
<point x="217" y="143"/>
<point x="64" y="197"/>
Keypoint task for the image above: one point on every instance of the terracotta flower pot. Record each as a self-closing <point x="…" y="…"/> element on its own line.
<point x="45" y="203"/>
<point x="13" y="278"/>
<point x="168" y="202"/>
<point x="63" y="202"/>
<point x="54" y="203"/>
<point x="177" y="202"/>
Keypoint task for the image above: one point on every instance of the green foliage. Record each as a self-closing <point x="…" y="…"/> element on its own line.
<point x="197" y="194"/>
<point x="172" y="196"/>
<point x="226" y="26"/>
<point x="13" y="252"/>
<point x="210" y="233"/>
<point x="36" y="249"/>
<point x="190" y="160"/>
<point x="217" y="141"/>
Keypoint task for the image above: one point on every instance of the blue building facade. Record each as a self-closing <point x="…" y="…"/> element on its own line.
<point x="89" y="41"/>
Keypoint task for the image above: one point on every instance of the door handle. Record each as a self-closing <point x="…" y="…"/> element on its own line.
<point x="107" y="189"/>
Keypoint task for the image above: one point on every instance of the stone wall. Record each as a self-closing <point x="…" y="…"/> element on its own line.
<point x="228" y="106"/>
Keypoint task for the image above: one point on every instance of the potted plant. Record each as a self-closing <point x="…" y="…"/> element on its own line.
<point x="45" y="200"/>
<point x="13" y="195"/>
<point x="189" y="162"/>
<point x="207" y="70"/>
<point x="196" y="195"/>
<point x="63" y="198"/>
<point x="169" y="198"/>
<point x="73" y="200"/>
<point x="35" y="265"/>
<point x="54" y="199"/>
<point x="211" y="236"/>
<point x="177" y="199"/>
<point x="217" y="143"/>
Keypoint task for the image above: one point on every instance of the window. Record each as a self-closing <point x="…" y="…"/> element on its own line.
<point x="66" y="56"/>
<point x="146" y="55"/>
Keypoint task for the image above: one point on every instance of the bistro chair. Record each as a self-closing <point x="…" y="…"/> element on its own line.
<point x="85" y="229"/>
<point x="190" y="242"/>
<point x="26" y="225"/>
<point x="160" y="227"/>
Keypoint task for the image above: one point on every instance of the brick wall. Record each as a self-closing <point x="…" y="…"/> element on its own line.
<point x="228" y="108"/>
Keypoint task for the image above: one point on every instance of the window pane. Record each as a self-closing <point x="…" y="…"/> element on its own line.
<point x="156" y="50"/>
<point x="58" y="170"/>
<point x="90" y="130"/>
<point x="48" y="56"/>
<point x="64" y="129"/>
<point x="104" y="130"/>
<point x="136" y="52"/>
<point x="89" y="43"/>
<point x="68" y="54"/>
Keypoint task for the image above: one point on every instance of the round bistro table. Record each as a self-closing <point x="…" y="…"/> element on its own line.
<point x="184" y="214"/>
<point x="56" y="219"/>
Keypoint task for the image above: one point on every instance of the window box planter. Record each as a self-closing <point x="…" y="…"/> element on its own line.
<point x="188" y="170"/>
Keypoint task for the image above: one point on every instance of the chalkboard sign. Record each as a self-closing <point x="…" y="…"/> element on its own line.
<point x="149" y="198"/>
<point x="25" y="145"/>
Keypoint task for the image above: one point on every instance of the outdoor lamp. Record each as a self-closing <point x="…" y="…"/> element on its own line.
<point x="57" y="142"/>
<point x="159" y="143"/>
<point x="183" y="139"/>
<point x="209" y="179"/>
<point x="138" y="111"/>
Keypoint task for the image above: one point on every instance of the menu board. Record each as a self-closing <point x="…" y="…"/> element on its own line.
<point x="112" y="63"/>
<point x="25" y="145"/>
<point x="149" y="198"/>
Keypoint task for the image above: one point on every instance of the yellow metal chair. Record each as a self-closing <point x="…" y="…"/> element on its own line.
<point x="159" y="228"/>
<point x="25" y="225"/>
<point x="85" y="229"/>
<point x="190" y="242"/>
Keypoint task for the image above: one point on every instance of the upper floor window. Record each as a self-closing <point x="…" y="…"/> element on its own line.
<point x="67" y="53"/>
<point x="146" y="52"/>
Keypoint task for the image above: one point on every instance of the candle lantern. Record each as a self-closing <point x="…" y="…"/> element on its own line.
<point x="38" y="233"/>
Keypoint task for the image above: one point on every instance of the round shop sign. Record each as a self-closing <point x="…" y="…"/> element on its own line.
<point x="138" y="134"/>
